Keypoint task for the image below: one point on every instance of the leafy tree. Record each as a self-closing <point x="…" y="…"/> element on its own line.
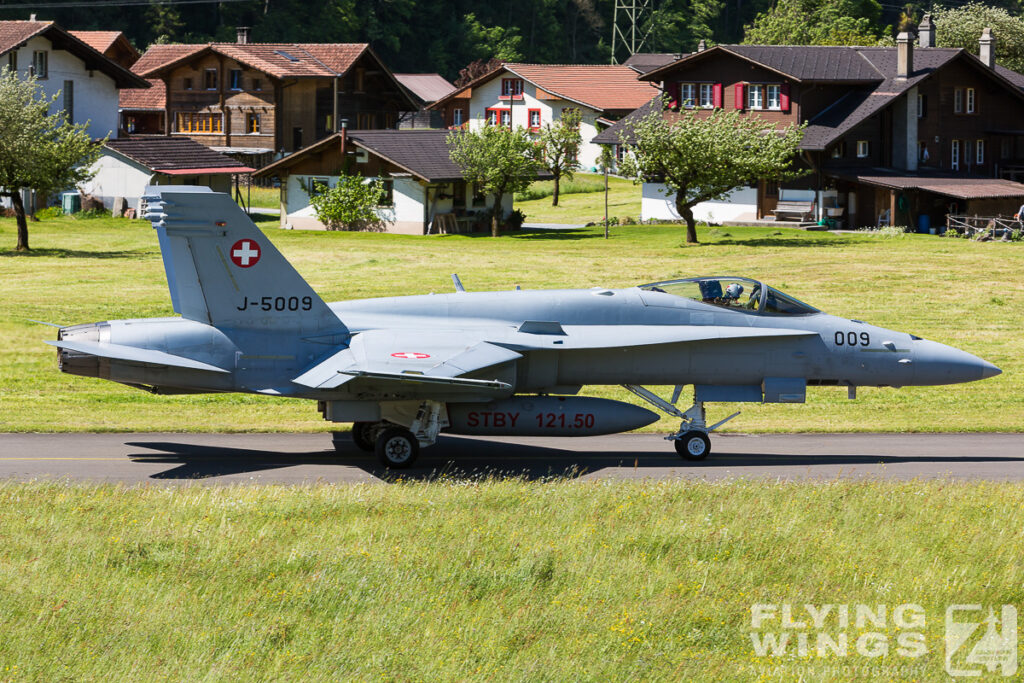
<point x="350" y="205"/>
<point x="38" y="150"/>
<point x="962" y="26"/>
<point x="557" y="147"/>
<point x="492" y="41"/>
<point x="701" y="159"/>
<point x="498" y="159"/>
<point x="817" y="22"/>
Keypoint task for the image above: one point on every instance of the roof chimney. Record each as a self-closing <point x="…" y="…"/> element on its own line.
<point x="987" y="48"/>
<point x="242" y="34"/>
<point x="904" y="55"/>
<point x="926" y="32"/>
<point x="32" y="17"/>
<point x="701" y="46"/>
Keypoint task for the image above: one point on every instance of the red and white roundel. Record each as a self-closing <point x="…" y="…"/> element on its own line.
<point x="410" y="355"/>
<point x="245" y="253"/>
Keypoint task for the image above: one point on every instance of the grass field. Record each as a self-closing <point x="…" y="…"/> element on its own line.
<point x="263" y="197"/>
<point x="583" y="207"/>
<point x="963" y="293"/>
<point x="491" y="581"/>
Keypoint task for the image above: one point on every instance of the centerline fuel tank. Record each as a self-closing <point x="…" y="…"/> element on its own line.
<point x="547" y="416"/>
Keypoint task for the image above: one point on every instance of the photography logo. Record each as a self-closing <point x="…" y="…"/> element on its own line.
<point x="976" y="643"/>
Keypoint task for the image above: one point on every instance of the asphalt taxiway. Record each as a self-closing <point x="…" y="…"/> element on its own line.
<point x="308" y="458"/>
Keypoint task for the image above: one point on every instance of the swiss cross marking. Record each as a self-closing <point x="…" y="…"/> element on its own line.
<point x="410" y="355"/>
<point x="245" y="253"/>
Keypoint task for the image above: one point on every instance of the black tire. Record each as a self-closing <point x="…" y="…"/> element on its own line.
<point x="693" y="445"/>
<point x="362" y="436"/>
<point x="397" y="447"/>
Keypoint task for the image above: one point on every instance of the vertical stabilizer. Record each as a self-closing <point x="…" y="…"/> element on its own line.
<point x="222" y="270"/>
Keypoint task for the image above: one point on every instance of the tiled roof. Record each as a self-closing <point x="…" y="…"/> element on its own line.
<point x="427" y="87"/>
<point x="153" y="97"/>
<point x="281" y="60"/>
<point x="945" y="184"/>
<point x="15" y="33"/>
<point x="614" y="134"/>
<point x="605" y="87"/>
<point x="642" y="62"/>
<point x="799" y="62"/>
<point x="170" y="154"/>
<point x="101" y="41"/>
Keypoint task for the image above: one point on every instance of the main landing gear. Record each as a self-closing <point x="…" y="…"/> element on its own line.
<point x="397" y="446"/>
<point x="692" y="440"/>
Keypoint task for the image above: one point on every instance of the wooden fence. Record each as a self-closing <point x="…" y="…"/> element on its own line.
<point x="995" y="226"/>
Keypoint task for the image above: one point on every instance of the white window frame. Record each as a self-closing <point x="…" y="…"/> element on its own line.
<point x="529" y="118"/>
<point x="457" y="117"/>
<point x="688" y="95"/>
<point x="755" y="96"/>
<point x="863" y="149"/>
<point x="511" y="87"/>
<point x="979" y="152"/>
<point x="706" y="96"/>
<point x="970" y="100"/>
<point x="769" y="91"/>
<point x="958" y="100"/>
<point x="954" y="155"/>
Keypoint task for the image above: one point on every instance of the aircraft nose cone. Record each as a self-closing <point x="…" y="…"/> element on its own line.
<point x="936" y="363"/>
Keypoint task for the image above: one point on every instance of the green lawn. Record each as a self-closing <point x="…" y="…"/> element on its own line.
<point x="586" y="207"/>
<point x="463" y="580"/>
<point x="963" y="293"/>
<point x="263" y="197"/>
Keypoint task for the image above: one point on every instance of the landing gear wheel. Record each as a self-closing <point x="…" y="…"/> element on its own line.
<point x="693" y="445"/>
<point x="362" y="436"/>
<point x="397" y="447"/>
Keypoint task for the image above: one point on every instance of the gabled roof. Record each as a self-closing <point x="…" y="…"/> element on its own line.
<point x="427" y="87"/>
<point x="280" y="60"/>
<point x="153" y="98"/>
<point x="13" y="34"/>
<point x="422" y="153"/>
<point x="830" y="63"/>
<point x="603" y="87"/>
<point x="175" y="156"/>
<point x="101" y="41"/>
<point x="642" y="62"/>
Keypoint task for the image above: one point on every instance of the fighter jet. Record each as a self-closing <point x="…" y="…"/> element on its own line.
<point x="404" y="369"/>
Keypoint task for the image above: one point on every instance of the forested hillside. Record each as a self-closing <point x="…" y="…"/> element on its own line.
<point x="445" y="35"/>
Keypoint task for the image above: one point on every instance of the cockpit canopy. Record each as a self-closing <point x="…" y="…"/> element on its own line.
<point x="735" y="293"/>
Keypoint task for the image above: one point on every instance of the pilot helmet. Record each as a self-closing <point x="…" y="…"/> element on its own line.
<point x="733" y="291"/>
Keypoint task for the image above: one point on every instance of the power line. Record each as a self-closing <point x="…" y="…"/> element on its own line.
<point x="111" y="3"/>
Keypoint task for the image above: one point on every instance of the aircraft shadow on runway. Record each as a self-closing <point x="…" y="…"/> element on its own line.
<point x="473" y="459"/>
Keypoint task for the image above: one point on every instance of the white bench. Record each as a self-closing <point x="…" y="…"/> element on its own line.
<point x="803" y="210"/>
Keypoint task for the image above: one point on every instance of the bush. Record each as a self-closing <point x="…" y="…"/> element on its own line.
<point x="515" y="220"/>
<point x="49" y="212"/>
<point x="349" y="205"/>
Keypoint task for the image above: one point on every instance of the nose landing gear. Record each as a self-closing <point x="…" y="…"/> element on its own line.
<point x="691" y="441"/>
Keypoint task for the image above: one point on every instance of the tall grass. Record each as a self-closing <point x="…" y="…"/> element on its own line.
<point x="546" y="188"/>
<point x="481" y="580"/>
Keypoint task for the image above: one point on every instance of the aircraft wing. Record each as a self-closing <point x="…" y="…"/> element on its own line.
<point x="410" y="356"/>
<point x="133" y="354"/>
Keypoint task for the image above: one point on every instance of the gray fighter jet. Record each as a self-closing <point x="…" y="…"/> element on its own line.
<point x="404" y="369"/>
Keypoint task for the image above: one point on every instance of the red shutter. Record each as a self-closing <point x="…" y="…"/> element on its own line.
<point x="738" y="103"/>
<point x="784" y="97"/>
<point x="716" y="95"/>
<point x="673" y="95"/>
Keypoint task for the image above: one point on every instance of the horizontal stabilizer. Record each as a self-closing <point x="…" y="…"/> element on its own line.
<point x="132" y="354"/>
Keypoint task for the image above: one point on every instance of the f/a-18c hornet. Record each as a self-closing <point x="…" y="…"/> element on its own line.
<point x="404" y="369"/>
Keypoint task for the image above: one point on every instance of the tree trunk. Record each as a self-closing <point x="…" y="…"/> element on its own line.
<point x="496" y="213"/>
<point x="19" y="214"/>
<point x="686" y="211"/>
<point x="554" y="195"/>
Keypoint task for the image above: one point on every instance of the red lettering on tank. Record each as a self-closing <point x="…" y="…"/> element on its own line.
<point x="513" y="417"/>
<point x="499" y="419"/>
<point x="487" y="419"/>
<point x="472" y="420"/>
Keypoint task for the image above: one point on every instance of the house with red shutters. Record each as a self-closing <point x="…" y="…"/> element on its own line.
<point x="898" y="135"/>
<point x="535" y="95"/>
